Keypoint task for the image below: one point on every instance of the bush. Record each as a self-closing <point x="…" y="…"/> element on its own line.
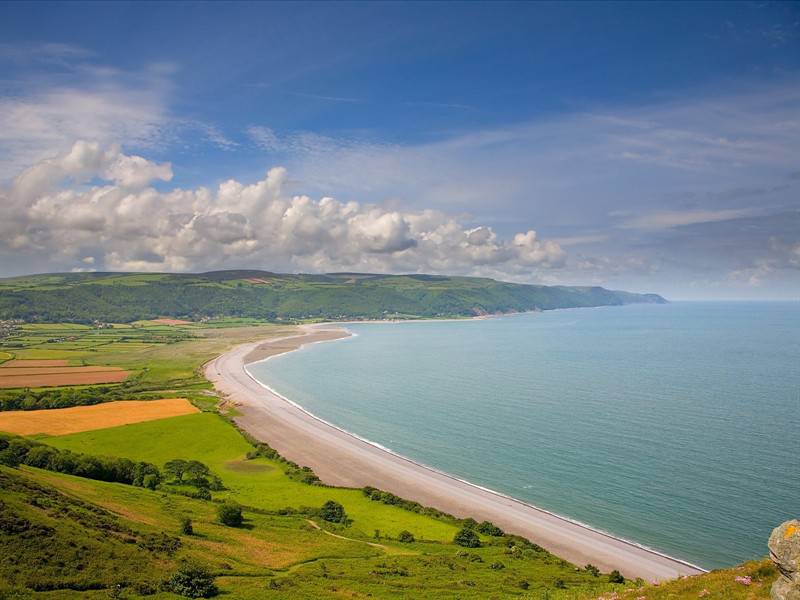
<point x="230" y="515"/>
<point x="488" y="528"/>
<point x="192" y="581"/>
<point x="406" y="537"/>
<point x="616" y="577"/>
<point x="467" y="537"/>
<point x="8" y="458"/>
<point x="333" y="512"/>
<point x="590" y="568"/>
<point x="104" y="468"/>
<point x="377" y="495"/>
<point x="559" y="584"/>
<point x="497" y="566"/>
<point x="160" y="542"/>
<point x="201" y="494"/>
<point x="186" y="526"/>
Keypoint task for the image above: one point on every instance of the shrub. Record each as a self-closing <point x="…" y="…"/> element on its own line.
<point x="192" y="581"/>
<point x="616" y="577"/>
<point x="559" y="584"/>
<point x="333" y="512"/>
<point x="497" y="566"/>
<point x="230" y="515"/>
<point x="160" y="542"/>
<point x="488" y="528"/>
<point x="406" y="537"/>
<point x="9" y="458"/>
<point x="467" y="537"/>
<point x="103" y="468"/>
<point x="201" y="494"/>
<point x="524" y="585"/>
<point x="590" y="568"/>
<point x="186" y="526"/>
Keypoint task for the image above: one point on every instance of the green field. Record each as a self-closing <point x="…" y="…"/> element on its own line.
<point x="259" y="482"/>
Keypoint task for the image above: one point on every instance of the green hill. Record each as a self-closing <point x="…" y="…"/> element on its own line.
<point x="126" y="297"/>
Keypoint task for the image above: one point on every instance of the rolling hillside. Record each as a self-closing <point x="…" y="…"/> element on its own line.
<point x="126" y="297"/>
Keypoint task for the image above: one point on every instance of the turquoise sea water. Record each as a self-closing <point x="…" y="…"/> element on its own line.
<point x="674" y="426"/>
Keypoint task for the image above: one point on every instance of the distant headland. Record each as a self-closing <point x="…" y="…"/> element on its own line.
<point x="254" y="294"/>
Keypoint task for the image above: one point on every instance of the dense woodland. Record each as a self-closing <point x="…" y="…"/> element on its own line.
<point x="126" y="297"/>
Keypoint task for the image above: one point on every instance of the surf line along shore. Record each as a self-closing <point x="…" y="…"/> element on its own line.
<point x="340" y="458"/>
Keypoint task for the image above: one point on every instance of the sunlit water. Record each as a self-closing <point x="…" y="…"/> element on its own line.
<point x="675" y="426"/>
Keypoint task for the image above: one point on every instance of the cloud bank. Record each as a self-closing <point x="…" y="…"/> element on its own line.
<point x="95" y="207"/>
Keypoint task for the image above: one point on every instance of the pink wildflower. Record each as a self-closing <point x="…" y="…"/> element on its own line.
<point x="744" y="580"/>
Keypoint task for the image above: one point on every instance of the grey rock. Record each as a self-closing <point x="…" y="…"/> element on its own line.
<point x="784" y="550"/>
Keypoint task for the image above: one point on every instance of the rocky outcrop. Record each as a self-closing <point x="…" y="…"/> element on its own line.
<point x="784" y="550"/>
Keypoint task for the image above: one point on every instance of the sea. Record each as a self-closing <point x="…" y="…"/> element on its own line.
<point x="675" y="426"/>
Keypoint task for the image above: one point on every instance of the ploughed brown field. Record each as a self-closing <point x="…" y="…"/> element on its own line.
<point x="61" y="421"/>
<point x="48" y="373"/>
<point x="34" y="363"/>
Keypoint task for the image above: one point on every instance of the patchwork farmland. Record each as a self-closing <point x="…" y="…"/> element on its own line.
<point x="23" y="375"/>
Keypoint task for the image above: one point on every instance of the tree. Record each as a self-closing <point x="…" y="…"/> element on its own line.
<point x="175" y="468"/>
<point x="186" y="526"/>
<point x="230" y="514"/>
<point x="192" y="581"/>
<point x="406" y="537"/>
<point x="333" y="512"/>
<point x="616" y="577"/>
<point x="467" y="537"/>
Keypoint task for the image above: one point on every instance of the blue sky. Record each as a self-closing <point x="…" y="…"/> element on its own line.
<point x="649" y="146"/>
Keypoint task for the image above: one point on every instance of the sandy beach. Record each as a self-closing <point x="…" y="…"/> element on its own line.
<point x="340" y="458"/>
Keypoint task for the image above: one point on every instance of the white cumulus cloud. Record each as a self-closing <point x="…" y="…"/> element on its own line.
<point x="94" y="207"/>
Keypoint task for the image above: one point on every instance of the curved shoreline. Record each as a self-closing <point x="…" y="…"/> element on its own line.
<point x="564" y="537"/>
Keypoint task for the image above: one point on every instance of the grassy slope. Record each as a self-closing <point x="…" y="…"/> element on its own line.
<point x="302" y="561"/>
<point x="259" y="483"/>
<point x="125" y="297"/>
